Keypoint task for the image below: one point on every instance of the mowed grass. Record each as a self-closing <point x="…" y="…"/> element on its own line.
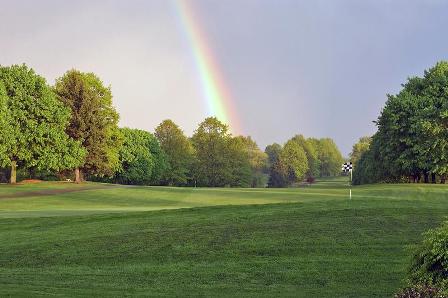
<point x="307" y="242"/>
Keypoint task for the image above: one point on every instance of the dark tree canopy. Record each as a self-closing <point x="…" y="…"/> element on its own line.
<point x="93" y="122"/>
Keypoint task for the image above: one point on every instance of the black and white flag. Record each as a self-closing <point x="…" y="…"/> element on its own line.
<point x="347" y="167"/>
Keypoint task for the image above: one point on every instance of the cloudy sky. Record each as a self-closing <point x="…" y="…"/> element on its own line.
<point x="319" y="68"/>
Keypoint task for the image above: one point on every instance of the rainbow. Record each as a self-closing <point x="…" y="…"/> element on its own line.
<point x="215" y="92"/>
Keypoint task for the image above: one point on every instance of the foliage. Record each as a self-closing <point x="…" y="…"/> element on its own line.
<point x="273" y="153"/>
<point x="238" y="159"/>
<point x="252" y="158"/>
<point x="330" y="158"/>
<point x="278" y="174"/>
<point x="6" y="137"/>
<point x="179" y="153"/>
<point x="37" y="123"/>
<point x="141" y="158"/>
<point x="358" y="149"/>
<point x="412" y="135"/>
<point x="311" y="155"/>
<point x="93" y="122"/>
<point x="211" y="142"/>
<point x="430" y="259"/>
<point x="294" y="160"/>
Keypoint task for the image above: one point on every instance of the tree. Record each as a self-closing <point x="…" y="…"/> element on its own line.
<point x="37" y="123"/>
<point x="278" y="173"/>
<point x="178" y="150"/>
<point x="311" y="155"/>
<point x="211" y="143"/>
<point x="6" y="137"/>
<point x="141" y="158"/>
<point x="294" y="159"/>
<point x="359" y="148"/>
<point x="252" y="162"/>
<point x="238" y="159"/>
<point x="93" y="123"/>
<point x="412" y="134"/>
<point x="273" y="152"/>
<point x="330" y="158"/>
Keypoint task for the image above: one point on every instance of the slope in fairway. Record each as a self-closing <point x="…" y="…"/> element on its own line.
<point x="305" y="242"/>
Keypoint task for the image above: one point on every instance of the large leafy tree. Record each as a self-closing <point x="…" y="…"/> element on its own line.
<point x="37" y="123"/>
<point x="311" y="155"/>
<point x="211" y="143"/>
<point x="273" y="152"/>
<point x="141" y="158"/>
<point x="238" y="159"/>
<point x="94" y="121"/>
<point x="178" y="150"/>
<point x="257" y="161"/>
<point x="330" y="158"/>
<point x="359" y="148"/>
<point x="278" y="173"/>
<point x="412" y="136"/>
<point x="294" y="159"/>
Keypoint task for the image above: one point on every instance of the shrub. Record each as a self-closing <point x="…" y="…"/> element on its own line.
<point x="428" y="273"/>
<point x="430" y="260"/>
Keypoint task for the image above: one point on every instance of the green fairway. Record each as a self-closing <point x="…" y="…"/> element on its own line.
<point x="105" y="240"/>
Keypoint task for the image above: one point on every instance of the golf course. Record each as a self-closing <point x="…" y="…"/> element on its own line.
<point x="94" y="239"/>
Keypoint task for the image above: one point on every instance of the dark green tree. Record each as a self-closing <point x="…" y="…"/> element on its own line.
<point x="278" y="174"/>
<point x="94" y="121"/>
<point x="37" y="123"/>
<point x="179" y="153"/>
<point x="273" y="152"/>
<point x="412" y="136"/>
<point x="141" y="158"/>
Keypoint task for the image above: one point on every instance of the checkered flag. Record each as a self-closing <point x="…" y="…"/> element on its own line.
<point x="347" y="167"/>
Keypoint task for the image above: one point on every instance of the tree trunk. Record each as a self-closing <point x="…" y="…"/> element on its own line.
<point x="443" y="179"/>
<point x="13" y="172"/>
<point x="433" y="178"/>
<point x="426" y="175"/>
<point x="77" y="175"/>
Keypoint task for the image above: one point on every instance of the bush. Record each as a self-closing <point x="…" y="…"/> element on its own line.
<point x="430" y="260"/>
<point x="428" y="273"/>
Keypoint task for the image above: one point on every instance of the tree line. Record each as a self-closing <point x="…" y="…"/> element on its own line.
<point x="411" y="144"/>
<point x="70" y="131"/>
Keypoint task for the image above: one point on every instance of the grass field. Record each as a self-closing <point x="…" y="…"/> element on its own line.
<point x="102" y="240"/>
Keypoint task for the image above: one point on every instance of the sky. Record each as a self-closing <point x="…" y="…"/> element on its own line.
<point x="317" y="68"/>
